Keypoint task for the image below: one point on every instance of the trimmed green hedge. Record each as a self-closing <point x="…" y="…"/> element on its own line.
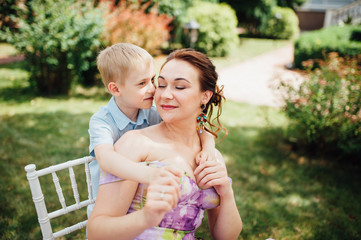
<point x="316" y="44"/>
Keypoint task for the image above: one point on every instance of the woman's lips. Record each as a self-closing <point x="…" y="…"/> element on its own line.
<point x="168" y="107"/>
<point x="149" y="99"/>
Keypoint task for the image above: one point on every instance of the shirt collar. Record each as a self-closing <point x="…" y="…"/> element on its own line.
<point x="121" y="119"/>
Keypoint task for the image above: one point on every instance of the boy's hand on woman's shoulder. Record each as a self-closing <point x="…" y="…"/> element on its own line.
<point x="204" y="156"/>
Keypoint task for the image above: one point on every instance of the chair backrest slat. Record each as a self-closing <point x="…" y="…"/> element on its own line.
<point x="74" y="186"/>
<point x="70" y="229"/>
<point x="59" y="191"/>
<point x="44" y="216"/>
<point x="69" y="209"/>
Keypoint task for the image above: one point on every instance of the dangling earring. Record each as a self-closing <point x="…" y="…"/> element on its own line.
<point x="201" y="120"/>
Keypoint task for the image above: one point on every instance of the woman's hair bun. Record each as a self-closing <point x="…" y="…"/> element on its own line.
<point x="217" y="95"/>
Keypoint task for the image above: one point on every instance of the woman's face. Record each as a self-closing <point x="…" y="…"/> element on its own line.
<point x="178" y="96"/>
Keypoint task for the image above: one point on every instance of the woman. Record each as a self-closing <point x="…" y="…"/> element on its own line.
<point x="174" y="207"/>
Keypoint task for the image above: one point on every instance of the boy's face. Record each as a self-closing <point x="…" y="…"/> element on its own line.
<point x="138" y="88"/>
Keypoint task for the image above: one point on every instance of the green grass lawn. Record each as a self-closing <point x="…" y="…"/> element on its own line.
<point x="280" y="193"/>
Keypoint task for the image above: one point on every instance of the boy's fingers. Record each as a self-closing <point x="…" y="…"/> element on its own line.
<point x="200" y="158"/>
<point x="174" y="171"/>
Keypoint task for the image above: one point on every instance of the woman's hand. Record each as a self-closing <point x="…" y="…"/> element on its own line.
<point x="162" y="195"/>
<point x="213" y="174"/>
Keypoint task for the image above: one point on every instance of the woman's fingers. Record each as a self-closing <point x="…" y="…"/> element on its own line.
<point x="205" y="172"/>
<point x="164" y="189"/>
<point x="201" y="166"/>
<point x="208" y="167"/>
<point x="209" y="178"/>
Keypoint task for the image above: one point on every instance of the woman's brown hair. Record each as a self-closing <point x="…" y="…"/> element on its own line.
<point x="208" y="81"/>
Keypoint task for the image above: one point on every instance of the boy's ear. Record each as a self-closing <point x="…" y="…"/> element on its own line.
<point x="207" y="96"/>
<point x="114" y="89"/>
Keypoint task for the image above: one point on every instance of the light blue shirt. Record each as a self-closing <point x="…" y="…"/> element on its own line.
<point x="106" y="126"/>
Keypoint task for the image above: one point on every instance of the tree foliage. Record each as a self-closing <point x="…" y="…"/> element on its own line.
<point x="136" y="22"/>
<point x="290" y="3"/>
<point x="59" y="41"/>
<point x="254" y="15"/>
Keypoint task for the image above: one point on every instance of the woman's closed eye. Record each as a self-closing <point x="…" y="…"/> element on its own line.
<point x="180" y="87"/>
<point x="141" y="83"/>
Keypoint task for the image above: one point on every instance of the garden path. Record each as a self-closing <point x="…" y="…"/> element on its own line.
<point x="11" y="59"/>
<point x="252" y="81"/>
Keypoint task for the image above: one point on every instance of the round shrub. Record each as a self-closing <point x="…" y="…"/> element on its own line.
<point x="218" y="23"/>
<point x="325" y="110"/>
<point x="283" y="24"/>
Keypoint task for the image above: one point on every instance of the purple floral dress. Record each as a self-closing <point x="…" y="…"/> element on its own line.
<point x="181" y="222"/>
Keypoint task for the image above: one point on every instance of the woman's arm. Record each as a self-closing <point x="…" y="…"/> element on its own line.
<point x="109" y="219"/>
<point x="224" y="221"/>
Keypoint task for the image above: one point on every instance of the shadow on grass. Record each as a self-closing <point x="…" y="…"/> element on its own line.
<point x="15" y="87"/>
<point x="281" y="197"/>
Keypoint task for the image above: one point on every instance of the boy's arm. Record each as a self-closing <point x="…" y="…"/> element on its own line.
<point x="113" y="162"/>
<point x="208" y="147"/>
<point x="122" y="159"/>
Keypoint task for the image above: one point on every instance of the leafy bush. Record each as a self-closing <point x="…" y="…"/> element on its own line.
<point x="316" y="44"/>
<point x="217" y="33"/>
<point x="59" y="42"/>
<point x="138" y="23"/>
<point x="325" y="111"/>
<point x="283" y="24"/>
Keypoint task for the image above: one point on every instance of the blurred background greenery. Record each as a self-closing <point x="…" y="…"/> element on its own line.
<point x="295" y="169"/>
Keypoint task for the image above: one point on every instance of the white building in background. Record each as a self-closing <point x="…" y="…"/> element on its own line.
<point x="315" y="14"/>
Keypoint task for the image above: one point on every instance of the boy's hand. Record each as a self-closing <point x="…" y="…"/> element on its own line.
<point x="166" y="171"/>
<point x="204" y="156"/>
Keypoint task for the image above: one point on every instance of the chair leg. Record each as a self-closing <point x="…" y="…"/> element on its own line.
<point x="39" y="202"/>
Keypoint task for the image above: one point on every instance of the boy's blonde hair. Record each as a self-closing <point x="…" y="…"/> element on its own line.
<point x="116" y="61"/>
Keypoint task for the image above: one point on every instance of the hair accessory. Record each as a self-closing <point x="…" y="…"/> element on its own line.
<point x="201" y="120"/>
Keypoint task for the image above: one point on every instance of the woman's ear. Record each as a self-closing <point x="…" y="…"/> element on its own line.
<point x="207" y="96"/>
<point x="114" y="89"/>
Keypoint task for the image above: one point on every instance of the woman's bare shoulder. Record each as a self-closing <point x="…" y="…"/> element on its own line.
<point x="139" y="135"/>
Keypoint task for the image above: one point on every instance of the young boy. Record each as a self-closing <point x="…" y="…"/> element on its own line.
<point x="127" y="72"/>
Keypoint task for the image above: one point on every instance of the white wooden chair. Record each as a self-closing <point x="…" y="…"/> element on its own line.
<point x="44" y="216"/>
